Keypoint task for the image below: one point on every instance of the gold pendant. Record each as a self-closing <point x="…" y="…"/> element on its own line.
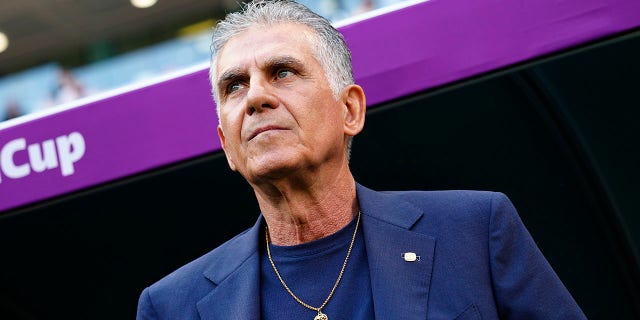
<point x="321" y="316"/>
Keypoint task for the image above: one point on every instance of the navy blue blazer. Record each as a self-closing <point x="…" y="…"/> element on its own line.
<point x="477" y="261"/>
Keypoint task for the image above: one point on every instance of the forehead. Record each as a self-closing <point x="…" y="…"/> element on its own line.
<point x="262" y="42"/>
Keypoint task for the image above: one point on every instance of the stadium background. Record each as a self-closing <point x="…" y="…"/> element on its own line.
<point x="557" y="133"/>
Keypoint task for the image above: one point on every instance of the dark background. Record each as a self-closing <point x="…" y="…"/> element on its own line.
<point x="558" y="135"/>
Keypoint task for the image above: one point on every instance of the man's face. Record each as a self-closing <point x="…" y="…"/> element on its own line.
<point x="278" y="115"/>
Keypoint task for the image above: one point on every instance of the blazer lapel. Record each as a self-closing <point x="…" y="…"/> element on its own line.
<point x="400" y="288"/>
<point x="236" y="274"/>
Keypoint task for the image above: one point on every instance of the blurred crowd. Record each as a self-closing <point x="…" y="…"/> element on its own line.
<point x="52" y="85"/>
<point x="65" y="88"/>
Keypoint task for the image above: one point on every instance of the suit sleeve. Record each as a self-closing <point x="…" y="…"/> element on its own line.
<point x="525" y="284"/>
<point x="145" y="307"/>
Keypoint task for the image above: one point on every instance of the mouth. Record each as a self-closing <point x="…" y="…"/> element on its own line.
<point x="263" y="129"/>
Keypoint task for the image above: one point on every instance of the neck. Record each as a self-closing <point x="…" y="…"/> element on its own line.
<point x="297" y="215"/>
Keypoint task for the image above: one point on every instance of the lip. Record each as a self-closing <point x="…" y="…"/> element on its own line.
<point x="263" y="129"/>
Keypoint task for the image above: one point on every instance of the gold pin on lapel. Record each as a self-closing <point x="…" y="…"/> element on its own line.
<point x="410" y="257"/>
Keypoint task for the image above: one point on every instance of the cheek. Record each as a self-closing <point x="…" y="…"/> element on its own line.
<point x="325" y="123"/>
<point x="231" y="122"/>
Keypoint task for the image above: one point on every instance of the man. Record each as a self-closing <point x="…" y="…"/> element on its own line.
<point x="326" y="247"/>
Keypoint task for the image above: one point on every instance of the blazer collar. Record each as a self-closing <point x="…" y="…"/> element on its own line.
<point x="400" y="288"/>
<point x="235" y="270"/>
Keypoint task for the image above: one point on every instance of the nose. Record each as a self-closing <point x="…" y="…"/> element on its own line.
<point x="260" y="96"/>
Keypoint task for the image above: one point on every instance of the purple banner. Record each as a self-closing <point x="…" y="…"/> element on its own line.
<point x="108" y="139"/>
<point x="441" y="41"/>
<point x="395" y="54"/>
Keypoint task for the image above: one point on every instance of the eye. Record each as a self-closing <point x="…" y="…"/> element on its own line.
<point x="234" y="86"/>
<point x="283" y="73"/>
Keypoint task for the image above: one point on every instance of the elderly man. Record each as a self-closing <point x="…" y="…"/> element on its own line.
<point x="324" y="245"/>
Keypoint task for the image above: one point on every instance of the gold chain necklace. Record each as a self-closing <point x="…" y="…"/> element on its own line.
<point x="320" y="316"/>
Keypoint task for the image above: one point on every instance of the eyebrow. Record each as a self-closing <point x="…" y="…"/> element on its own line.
<point x="284" y="61"/>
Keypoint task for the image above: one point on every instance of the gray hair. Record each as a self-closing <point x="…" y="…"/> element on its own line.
<point x="330" y="49"/>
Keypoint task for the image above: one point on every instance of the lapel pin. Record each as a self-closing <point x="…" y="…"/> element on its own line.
<point x="410" y="257"/>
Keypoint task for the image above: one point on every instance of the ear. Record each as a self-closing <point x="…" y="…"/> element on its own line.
<point x="355" y="106"/>
<point x="224" y="148"/>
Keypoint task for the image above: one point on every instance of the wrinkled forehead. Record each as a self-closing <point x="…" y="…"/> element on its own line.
<point x="264" y="40"/>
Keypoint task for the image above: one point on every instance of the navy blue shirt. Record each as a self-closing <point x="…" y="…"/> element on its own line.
<point x="310" y="270"/>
